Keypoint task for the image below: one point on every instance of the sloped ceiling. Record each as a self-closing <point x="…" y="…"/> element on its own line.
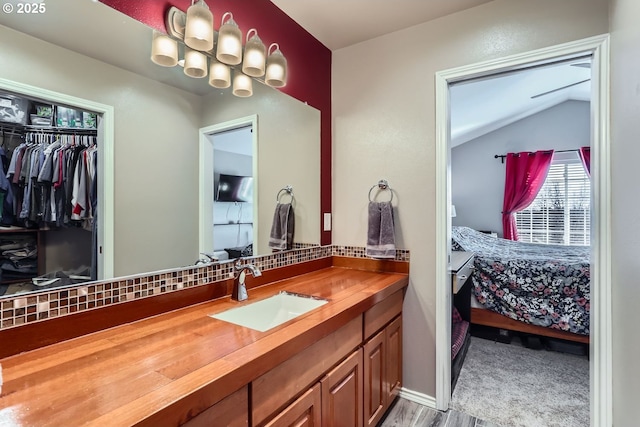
<point x="482" y="106"/>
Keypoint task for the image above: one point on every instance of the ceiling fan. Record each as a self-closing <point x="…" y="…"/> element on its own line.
<point x="581" y="65"/>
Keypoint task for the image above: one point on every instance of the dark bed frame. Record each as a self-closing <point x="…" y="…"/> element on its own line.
<point x="483" y="317"/>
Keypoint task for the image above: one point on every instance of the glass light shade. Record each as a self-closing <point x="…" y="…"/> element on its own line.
<point x="242" y="85"/>
<point x="198" y="32"/>
<point x="276" y="73"/>
<point x="254" y="55"/>
<point x="164" y="50"/>
<point x="195" y="63"/>
<point x="219" y="74"/>
<point x="229" y="49"/>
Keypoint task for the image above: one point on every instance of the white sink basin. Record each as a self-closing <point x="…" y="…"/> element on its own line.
<point x="270" y="312"/>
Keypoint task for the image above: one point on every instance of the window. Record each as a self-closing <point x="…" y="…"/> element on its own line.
<point x="560" y="213"/>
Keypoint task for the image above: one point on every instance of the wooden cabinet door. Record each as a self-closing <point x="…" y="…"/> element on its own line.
<point x="342" y="393"/>
<point x="394" y="358"/>
<point x="375" y="385"/>
<point x="304" y="412"/>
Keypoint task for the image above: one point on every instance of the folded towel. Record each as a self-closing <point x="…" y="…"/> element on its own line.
<point x="281" y="236"/>
<point x="381" y="240"/>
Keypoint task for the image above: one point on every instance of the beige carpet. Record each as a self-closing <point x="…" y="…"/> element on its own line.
<point x="514" y="386"/>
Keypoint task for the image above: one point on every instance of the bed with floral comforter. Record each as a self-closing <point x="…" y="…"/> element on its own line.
<point x="543" y="285"/>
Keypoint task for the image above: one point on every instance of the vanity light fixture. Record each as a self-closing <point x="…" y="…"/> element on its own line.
<point x="242" y="85"/>
<point x="229" y="49"/>
<point x="205" y="54"/>
<point x="254" y="55"/>
<point x="198" y="31"/>
<point x="195" y="63"/>
<point x="219" y="74"/>
<point x="164" y="50"/>
<point x="276" y="74"/>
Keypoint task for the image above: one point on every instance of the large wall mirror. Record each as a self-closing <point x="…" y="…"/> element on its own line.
<point x="103" y="56"/>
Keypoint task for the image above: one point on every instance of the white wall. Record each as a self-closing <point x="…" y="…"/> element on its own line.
<point x="156" y="152"/>
<point x="384" y="127"/>
<point x="477" y="178"/>
<point x="288" y="154"/>
<point x="625" y="152"/>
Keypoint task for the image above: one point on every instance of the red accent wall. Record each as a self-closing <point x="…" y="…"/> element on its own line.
<point x="308" y="60"/>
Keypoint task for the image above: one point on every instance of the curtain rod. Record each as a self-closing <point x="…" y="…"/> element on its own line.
<point x="503" y="156"/>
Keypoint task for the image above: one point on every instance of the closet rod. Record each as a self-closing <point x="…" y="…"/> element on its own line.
<point x="67" y="131"/>
<point x="504" y="156"/>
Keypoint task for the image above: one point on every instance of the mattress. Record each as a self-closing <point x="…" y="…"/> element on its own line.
<point x="543" y="285"/>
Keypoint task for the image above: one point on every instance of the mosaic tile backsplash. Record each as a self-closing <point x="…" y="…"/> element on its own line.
<point x="33" y="307"/>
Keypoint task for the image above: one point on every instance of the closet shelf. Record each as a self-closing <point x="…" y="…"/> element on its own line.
<point x="15" y="229"/>
<point x="38" y="240"/>
<point x="36" y="128"/>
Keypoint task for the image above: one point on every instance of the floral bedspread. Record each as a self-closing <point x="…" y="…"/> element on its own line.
<point x="544" y="285"/>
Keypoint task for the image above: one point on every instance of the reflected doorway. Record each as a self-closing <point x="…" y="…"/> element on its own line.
<point x="233" y="193"/>
<point x="228" y="189"/>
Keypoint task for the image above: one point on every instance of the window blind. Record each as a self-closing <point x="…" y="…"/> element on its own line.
<point x="561" y="212"/>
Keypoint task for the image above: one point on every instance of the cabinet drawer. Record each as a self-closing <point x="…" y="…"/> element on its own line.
<point x="382" y="313"/>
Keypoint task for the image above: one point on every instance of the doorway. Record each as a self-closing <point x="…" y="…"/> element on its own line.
<point x="600" y="345"/>
<point x="105" y="235"/>
<point x="228" y="199"/>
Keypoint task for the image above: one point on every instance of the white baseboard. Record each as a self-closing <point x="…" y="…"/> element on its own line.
<point x="414" y="396"/>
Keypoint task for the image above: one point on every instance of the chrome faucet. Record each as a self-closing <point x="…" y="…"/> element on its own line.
<point x="239" y="292"/>
<point x="208" y="259"/>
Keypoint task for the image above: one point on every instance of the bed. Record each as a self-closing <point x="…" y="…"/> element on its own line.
<point x="526" y="287"/>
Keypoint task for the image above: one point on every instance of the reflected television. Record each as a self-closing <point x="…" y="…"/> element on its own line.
<point x="234" y="188"/>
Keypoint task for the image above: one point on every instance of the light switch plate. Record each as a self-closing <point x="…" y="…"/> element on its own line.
<point x="327" y="222"/>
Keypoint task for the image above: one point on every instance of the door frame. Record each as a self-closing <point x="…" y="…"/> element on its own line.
<point x="106" y="165"/>
<point x="600" y="329"/>
<point x="206" y="190"/>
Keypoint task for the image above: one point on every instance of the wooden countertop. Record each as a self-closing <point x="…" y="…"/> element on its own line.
<point x="153" y="371"/>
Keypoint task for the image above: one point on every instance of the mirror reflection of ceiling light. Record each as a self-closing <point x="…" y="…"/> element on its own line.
<point x="206" y="54"/>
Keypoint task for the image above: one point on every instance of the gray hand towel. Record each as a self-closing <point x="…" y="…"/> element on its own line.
<point x="381" y="240"/>
<point x="281" y="236"/>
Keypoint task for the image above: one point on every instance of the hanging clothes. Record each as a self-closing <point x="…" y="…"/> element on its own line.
<point x="54" y="176"/>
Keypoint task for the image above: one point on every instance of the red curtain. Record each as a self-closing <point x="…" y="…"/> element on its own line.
<point x="526" y="172"/>
<point x="585" y="156"/>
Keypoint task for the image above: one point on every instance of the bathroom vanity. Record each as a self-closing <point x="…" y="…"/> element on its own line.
<point x="342" y="360"/>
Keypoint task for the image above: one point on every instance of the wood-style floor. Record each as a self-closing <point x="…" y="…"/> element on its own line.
<point x="405" y="413"/>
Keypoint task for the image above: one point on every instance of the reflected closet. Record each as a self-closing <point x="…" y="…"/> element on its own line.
<point x="48" y="193"/>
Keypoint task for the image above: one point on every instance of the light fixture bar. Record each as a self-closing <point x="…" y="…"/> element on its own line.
<point x="271" y="62"/>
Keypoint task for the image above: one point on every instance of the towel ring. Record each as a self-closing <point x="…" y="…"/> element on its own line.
<point x="287" y="190"/>
<point x="382" y="185"/>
